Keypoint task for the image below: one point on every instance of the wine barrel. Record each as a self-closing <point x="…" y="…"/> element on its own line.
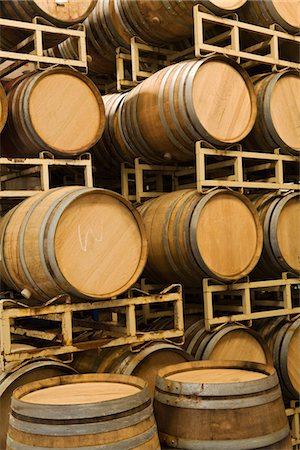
<point x="212" y="99"/>
<point x="280" y="218"/>
<point x="11" y="379"/>
<point x="268" y="12"/>
<point x="3" y="107"/>
<point x="231" y="400"/>
<point x="278" y="112"/>
<point x="83" y="411"/>
<point x="62" y="14"/>
<point x="193" y="236"/>
<point x="283" y="338"/>
<point x="87" y="242"/>
<point x="234" y="342"/>
<point x="143" y="364"/>
<point x="58" y="110"/>
<point x="111" y="150"/>
<point x="113" y="23"/>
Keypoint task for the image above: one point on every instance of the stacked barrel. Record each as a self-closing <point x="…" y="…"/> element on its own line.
<point x="93" y="244"/>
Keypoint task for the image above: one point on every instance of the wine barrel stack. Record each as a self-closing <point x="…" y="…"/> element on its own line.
<point x="223" y="387"/>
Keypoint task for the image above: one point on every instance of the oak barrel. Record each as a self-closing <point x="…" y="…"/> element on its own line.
<point x="16" y="376"/>
<point x="234" y="342"/>
<point x="283" y="338"/>
<point x="113" y="23"/>
<point x="280" y="218"/>
<point x="3" y="107"/>
<point x="193" y="236"/>
<point x="144" y="363"/>
<point x="62" y="14"/>
<point x="231" y="400"/>
<point x="83" y="411"/>
<point x="286" y="14"/>
<point x="212" y="99"/>
<point x="58" y="110"/>
<point x="87" y="242"/>
<point x="278" y="112"/>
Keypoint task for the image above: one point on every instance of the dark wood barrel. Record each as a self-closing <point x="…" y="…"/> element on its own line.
<point x="283" y="338"/>
<point x="144" y="363"/>
<point x="113" y="23"/>
<point x="280" y="219"/>
<point x="211" y="99"/>
<point x="111" y="149"/>
<point x="234" y="342"/>
<point x="278" y="112"/>
<point x="83" y="411"/>
<point x="3" y="107"/>
<point x="59" y="110"/>
<point x="231" y="400"/>
<point x="87" y="242"/>
<point x="193" y="236"/>
<point x="62" y="14"/>
<point x="268" y="12"/>
<point x="16" y="376"/>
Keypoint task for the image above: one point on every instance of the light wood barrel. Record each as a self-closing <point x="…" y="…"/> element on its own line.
<point x="3" y="107"/>
<point x="280" y="218"/>
<point x="14" y="377"/>
<point x="111" y="150"/>
<point x="61" y="14"/>
<point x="211" y="99"/>
<point x="193" y="236"/>
<point x="278" y="112"/>
<point x="58" y="110"/>
<point x="283" y="338"/>
<point x="83" y="411"/>
<point x="234" y="342"/>
<point x="268" y="12"/>
<point x="144" y="363"/>
<point x="87" y="242"/>
<point x="231" y="400"/>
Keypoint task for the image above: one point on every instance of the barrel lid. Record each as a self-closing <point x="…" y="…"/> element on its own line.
<point x="99" y="243"/>
<point x="229" y="5"/>
<point x="216" y="376"/>
<point x="226" y="235"/>
<point x="285" y="108"/>
<point x="66" y="111"/>
<point x="223" y="100"/>
<point x="80" y="393"/>
<point x="289" y="11"/>
<point x="66" y="10"/>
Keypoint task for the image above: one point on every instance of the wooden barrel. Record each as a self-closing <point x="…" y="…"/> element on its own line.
<point x="278" y="112"/>
<point x="113" y="23"/>
<point x="58" y="110"/>
<point x="193" y="236"/>
<point x="234" y="342"/>
<point x="62" y="14"/>
<point x="87" y="242"/>
<point x="231" y="400"/>
<point x="280" y="219"/>
<point x="111" y="150"/>
<point x="268" y="12"/>
<point x="212" y="99"/>
<point x="3" y="107"/>
<point x="14" y="377"/>
<point x="283" y="338"/>
<point x="83" y="411"/>
<point x="144" y="363"/>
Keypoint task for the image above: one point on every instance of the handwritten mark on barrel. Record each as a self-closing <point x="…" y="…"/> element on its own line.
<point x="84" y="236"/>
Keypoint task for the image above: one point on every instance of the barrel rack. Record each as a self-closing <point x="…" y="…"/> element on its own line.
<point x="245" y="305"/>
<point x="32" y="50"/>
<point x="272" y="48"/>
<point x="231" y="168"/>
<point x="293" y="414"/>
<point x="116" y="323"/>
